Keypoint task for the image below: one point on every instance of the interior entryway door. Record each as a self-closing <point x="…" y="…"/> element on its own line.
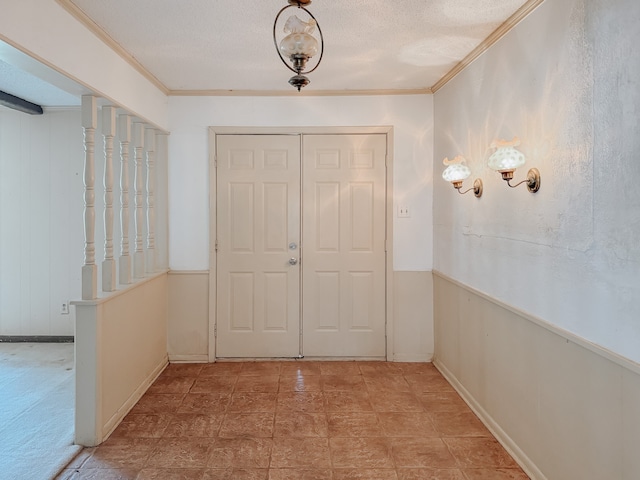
<point x="258" y="225"/>
<point x="311" y="284"/>
<point x="344" y="237"/>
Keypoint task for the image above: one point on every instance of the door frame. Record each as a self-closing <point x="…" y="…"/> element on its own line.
<point x="387" y="130"/>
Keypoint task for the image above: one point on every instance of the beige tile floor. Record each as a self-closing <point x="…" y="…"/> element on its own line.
<point x="299" y="421"/>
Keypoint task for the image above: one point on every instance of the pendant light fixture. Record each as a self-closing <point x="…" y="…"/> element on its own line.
<point x="299" y="45"/>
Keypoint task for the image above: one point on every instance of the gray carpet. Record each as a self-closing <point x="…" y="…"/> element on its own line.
<point x="36" y="410"/>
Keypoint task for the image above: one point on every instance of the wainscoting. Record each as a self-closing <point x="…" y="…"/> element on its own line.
<point x="188" y="328"/>
<point x="410" y="331"/>
<point x="121" y="347"/>
<point x="564" y="408"/>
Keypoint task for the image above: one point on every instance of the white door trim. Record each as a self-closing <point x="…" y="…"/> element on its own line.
<point x="214" y="131"/>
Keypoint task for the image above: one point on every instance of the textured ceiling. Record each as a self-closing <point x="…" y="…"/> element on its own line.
<point x="18" y="82"/>
<point x="227" y="45"/>
<point x="27" y="78"/>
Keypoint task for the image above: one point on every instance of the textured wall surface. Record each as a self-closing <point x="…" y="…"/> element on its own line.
<point x="566" y="82"/>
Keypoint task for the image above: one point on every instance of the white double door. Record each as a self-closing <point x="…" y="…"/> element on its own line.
<point x="301" y="256"/>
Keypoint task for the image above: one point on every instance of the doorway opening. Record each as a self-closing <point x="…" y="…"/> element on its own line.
<point x="301" y="243"/>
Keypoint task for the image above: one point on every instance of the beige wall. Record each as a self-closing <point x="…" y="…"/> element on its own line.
<point x="121" y="347"/>
<point x="565" y="408"/>
<point x="410" y="327"/>
<point x="188" y="324"/>
<point x="412" y="317"/>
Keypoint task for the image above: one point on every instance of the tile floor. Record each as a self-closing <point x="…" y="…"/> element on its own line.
<point x="299" y="421"/>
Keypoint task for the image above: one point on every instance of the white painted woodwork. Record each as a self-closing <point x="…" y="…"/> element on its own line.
<point x="161" y="202"/>
<point x="108" y="264"/>
<point x="258" y="217"/>
<point x="138" y="181"/>
<point x="150" y="145"/>
<point x="341" y="253"/>
<point x="89" y="269"/>
<point x="124" y="262"/>
<point x="121" y="347"/>
<point x="564" y="407"/>
<point x="343" y="236"/>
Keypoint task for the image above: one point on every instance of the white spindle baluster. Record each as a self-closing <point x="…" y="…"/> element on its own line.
<point x="124" y="271"/>
<point x="89" y="269"/>
<point x="150" y="143"/>
<point x="138" y="256"/>
<point x="109" y="264"/>
<point x="161" y="187"/>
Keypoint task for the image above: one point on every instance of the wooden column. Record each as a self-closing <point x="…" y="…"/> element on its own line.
<point x="124" y="125"/>
<point x="138" y="256"/>
<point x="109" y="264"/>
<point x="89" y="269"/>
<point x="150" y="143"/>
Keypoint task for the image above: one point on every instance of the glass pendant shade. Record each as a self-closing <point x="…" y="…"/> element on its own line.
<point x="506" y="158"/>
<point x="456" y="172"/>
<point x="299" y="44"/>
<point x="299" y="41"/>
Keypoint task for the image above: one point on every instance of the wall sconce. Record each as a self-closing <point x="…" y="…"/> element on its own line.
<point x="456" y="172"/>
<point x="507" y="158"/>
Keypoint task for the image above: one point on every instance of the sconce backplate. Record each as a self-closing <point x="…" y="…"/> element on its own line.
<point x="477" y="187"/>
<point x="533" y="180"/>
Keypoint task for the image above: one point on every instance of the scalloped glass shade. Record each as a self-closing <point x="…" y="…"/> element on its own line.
<point x="456" y="172"/>
<point x="506" y="158"/>
<point x="299" y="43"/>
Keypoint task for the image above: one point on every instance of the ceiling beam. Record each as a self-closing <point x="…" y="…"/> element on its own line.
<point x="20" y="104"/>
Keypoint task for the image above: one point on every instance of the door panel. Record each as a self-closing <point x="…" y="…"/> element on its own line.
<point x="258" y="217"/>
<point x="343" y="289"/>
<point x="344" y="232"/>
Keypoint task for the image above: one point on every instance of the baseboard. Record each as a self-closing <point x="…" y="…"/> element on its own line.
<point x="189" y="358"/>
<point x="505" y="440"/>
<point x="36" y="339"/>
<point x="300" y="359"/>
<point x="115" y="420"/>
<point x="409" y="358"/>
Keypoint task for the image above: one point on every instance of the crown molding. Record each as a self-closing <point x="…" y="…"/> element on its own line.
<point x="295" y="93"/>
<point x="83" y="18"/>
<point x="496" y="35"/>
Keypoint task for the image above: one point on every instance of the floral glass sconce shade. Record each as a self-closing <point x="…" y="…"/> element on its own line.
<point x="506" y="159"/>
<point x="457" y="172"/>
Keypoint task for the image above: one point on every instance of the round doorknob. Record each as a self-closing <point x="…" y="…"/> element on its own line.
<point x="293" y="261"/>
